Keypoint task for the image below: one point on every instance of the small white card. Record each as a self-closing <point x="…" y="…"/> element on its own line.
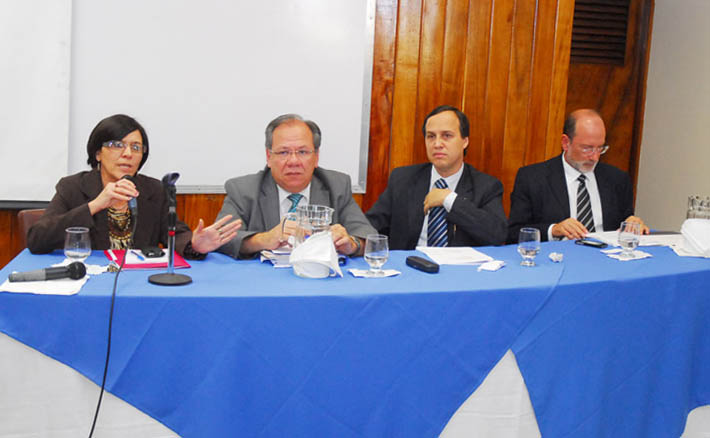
<point x="366" y="273"/>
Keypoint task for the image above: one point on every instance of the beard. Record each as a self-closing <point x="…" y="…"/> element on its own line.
<point x="582" y="166"/>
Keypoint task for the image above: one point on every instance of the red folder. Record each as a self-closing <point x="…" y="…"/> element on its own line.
<point x="134" y="262"/>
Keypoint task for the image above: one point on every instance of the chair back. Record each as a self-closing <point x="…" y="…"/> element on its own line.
<point x="27" y="218"/>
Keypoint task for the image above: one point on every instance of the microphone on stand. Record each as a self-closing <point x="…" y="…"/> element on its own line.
<point x="74" y="271"/>
<point x="170" y="278"/>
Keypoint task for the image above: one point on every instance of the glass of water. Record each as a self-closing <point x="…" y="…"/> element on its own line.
<point x="528" y="245"/>
<point x="77" y="245"/>
<point x="629" y="233"/>
<point x="376" y="253"/>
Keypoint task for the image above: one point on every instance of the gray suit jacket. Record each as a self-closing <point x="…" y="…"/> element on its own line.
<point x="255" y="200"/>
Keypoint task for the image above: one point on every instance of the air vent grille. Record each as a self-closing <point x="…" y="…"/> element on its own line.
<point x="599" y="31"/>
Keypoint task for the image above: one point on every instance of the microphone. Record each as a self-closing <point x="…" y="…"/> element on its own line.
<point x="132" y="203"/>
<point x="74" y="271"/>
<point x="170" y="178"/>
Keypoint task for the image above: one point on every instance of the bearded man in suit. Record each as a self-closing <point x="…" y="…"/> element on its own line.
<point x="573" y="194"/>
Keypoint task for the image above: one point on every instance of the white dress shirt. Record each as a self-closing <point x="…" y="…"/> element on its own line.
<point x="571" y="175"/>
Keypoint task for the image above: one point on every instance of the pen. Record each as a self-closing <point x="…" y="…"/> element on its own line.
<point x="140" y="257"/>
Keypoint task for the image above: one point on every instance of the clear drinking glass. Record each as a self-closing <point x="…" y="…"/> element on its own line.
<point x="376" y="253"/>
<point x="629" y="233"/>
<point x="77" y="244"/>
<point x="528" y="245"/>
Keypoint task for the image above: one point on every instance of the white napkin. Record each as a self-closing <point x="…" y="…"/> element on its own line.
<point x="556" y="257"/>
<point x="365" y="273"/>
<point x="493" y="265"/>
<point x="64" y="286"/>
<point x="316" y="257"/>
<point x="696" y="237"/>
<point x="615" y="253"/>
<point x="90" y="269"/>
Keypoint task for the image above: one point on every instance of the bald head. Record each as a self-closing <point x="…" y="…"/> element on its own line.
<point x="585" y="116"/>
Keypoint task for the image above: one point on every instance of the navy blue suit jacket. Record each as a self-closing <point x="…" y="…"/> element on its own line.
<point x="476" y="217"/>
<point x="539" y="198"/>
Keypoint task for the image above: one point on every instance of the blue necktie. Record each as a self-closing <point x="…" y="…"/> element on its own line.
<point x="436" y="228"/>
<point x="584" y="205"/>
<point x="294" y="198"/>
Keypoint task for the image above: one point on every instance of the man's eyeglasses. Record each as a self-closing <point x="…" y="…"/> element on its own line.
<point x="300" y="154"/>
<point x="115" y="145"/>
<point x="594" y="149"/>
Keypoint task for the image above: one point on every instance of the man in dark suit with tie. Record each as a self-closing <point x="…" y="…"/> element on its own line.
<point x="573" y="194"/>
<point x="291" y="177"/>
<point x="444" y="202"/>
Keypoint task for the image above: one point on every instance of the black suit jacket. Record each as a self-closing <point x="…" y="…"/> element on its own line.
<point x="70" y="208"/>
<point x="539" y="198"/>
<point x="476" y="217"/>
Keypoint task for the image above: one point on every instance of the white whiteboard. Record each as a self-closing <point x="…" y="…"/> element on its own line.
<point x="35" y="42"/>
<point x="204" y="79"/>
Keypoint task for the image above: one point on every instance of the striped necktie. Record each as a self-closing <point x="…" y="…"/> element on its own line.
<point x="584" y="205"/>
<point x="437" y="226"/>
<point x="294" y="198"/>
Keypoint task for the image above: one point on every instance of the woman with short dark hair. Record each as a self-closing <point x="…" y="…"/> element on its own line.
<point x="98" y="199"/>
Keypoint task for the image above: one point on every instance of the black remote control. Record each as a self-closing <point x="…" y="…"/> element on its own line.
<point x="422" y="264"/>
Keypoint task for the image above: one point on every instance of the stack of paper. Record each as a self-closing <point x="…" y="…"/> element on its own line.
<point x="455" y="255"/>
<point x="278" y="257"/>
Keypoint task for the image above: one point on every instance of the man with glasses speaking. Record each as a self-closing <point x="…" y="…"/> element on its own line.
<point x="573" y="194"/>
<point x="291" y="178"/>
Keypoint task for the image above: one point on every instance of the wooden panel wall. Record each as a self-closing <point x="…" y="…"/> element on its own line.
<point x="10" y="244"/>
<point x="618" y="91"/>
<point x="505" y="63"/>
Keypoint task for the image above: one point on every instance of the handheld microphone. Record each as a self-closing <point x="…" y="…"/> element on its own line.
<point x="74" y="271"/>
<point x="132" y="203"/>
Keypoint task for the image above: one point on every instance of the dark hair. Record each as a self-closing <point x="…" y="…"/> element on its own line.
<point x="114" y="128"/>
<point x="463" y="120"/>
<point x="570" y="126"/>
<point x="285" y="118"/>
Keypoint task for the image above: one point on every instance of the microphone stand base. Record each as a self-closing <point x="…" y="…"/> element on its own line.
<point x="167" y="279"/>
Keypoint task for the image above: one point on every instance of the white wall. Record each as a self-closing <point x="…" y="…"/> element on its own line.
<point x="675" y="151"/>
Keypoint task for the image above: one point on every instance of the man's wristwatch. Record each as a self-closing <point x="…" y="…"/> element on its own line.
<point x="358" y="245"/>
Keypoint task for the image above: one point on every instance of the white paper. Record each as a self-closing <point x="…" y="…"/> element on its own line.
<point x="455" y="255"/>
<point x="278" y="257"/>
<point x="612" y="238"/>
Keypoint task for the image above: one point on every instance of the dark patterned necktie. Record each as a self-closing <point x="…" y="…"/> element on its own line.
<point x="584" y="205"/>
<point x="294" y="198"/>
<point x="436" y="228"/>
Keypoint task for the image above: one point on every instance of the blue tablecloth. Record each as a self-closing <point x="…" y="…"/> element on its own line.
<point x="621" y="349"/>
<point x="250" y="350"/>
